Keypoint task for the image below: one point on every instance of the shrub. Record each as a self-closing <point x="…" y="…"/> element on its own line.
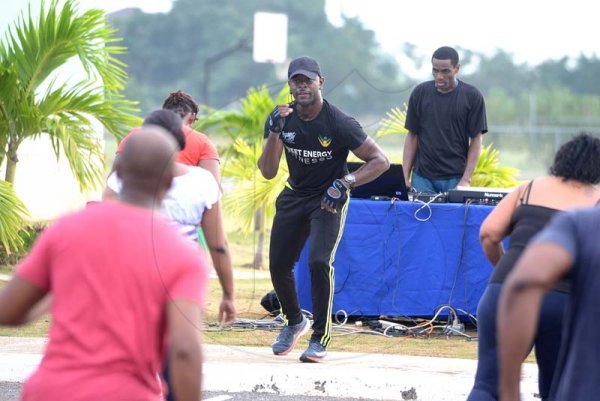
<point x="29" y="235"/>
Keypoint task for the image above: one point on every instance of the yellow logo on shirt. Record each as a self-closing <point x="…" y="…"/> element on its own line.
<point x="325" y="141"/>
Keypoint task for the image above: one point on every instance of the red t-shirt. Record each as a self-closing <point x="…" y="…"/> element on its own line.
<point x="197" y="147"/>
<point x="111" y="270"/>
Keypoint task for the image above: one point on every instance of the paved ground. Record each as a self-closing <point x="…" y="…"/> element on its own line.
<point x="9" y="391"/>
<point x="344" y="374"/>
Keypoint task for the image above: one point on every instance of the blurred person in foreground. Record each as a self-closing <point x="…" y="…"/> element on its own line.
<point x="125" y="287"/>
<point x="568" y="247"/>
<point x="445" y="121"/>
<point x="522" y="214"/>
<point x="193" y="202"/>
<point x="317" y="138"/>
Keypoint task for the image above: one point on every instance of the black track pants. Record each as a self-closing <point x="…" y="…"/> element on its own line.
<point x="296" y="218"/>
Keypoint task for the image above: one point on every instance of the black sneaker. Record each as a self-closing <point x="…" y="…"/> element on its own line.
<point x="314" y="353"/>
<point x="286" y="340"/>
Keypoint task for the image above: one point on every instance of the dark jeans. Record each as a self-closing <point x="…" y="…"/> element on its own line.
<point x="546" y="341"/>
<point x="296" y="218"/>
<point x="427" y="186"/>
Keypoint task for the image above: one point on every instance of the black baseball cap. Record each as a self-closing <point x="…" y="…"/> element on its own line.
<point x="304" y="66"/>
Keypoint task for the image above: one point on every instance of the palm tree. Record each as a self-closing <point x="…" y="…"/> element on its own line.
<point x="252" y="201"/>
<point x="12" y="219"/>
<point x="392" y="123"/>
<point x="32" y="103"/>
<point x="488" y="172"/>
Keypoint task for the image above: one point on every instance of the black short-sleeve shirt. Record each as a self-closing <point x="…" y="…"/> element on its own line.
<point x="316" y="150"/>
<point x="576" y="375"/>
<point x="444" y="123"/>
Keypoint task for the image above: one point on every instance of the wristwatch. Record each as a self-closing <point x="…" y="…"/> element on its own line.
<point x="350" y="179"/>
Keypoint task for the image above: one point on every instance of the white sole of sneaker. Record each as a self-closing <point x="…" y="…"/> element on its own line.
<point x="311" y="359"/>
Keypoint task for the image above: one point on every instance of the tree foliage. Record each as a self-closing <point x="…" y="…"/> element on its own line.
<point x="392" y="123"/>
<point x="245" y="126"/>
<point x="556" y="92"/>
<point x="170" y="51"/>
<point x="252" y="191"/>
<point x="33" y="101"/>
<point x="251" y="203"/>
<point x="489" y="173"/>
<point x="12" y="219"/>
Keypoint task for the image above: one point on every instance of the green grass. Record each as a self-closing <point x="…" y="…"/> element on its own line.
<point x="6" y="269"/>
<point x="350" y="338"/>
<point x="39" y="328"/>
<point x="249" y="292"/>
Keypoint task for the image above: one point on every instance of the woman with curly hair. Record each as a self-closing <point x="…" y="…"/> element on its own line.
<point x="522" y="214"/>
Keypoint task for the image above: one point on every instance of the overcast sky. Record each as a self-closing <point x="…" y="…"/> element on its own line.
<point x="532" y="30"/>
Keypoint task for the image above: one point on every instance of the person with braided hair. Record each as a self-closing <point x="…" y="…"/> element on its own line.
<point x="199" y="150"/>
<point x="317" y="138"/>
<point x="193" y="205"/>
<point x="521" y="215"/>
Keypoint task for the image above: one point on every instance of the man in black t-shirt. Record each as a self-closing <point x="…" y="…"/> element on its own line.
<point x="317" y="138"/>
<point x="568" y="245"/>
<point x="445" y="122"/>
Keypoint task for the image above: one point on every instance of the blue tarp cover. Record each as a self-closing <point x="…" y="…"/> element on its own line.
<point x="391" y="263"/>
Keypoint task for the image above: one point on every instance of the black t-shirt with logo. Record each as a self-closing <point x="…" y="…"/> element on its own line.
<point x="316" y="151"/>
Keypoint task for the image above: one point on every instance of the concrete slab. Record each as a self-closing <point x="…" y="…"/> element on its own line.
<point x="343" y="374"/>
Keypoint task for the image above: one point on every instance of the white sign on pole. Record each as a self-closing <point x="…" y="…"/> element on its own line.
<point x="270" y="37"/>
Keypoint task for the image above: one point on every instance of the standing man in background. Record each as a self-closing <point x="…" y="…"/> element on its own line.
<point x="317" y="138"/>
<point x="445" y="122"/>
